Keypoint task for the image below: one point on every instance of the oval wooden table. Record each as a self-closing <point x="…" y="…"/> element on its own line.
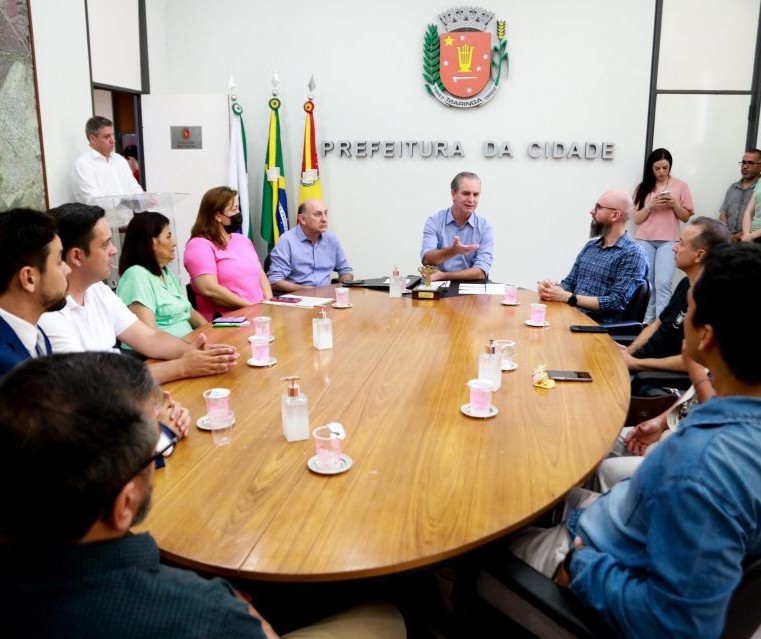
<point x="427" y="482"/>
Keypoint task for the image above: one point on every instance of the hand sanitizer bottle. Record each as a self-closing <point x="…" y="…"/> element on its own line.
<point x="294" y="411"/>
<point x="322" y="331"/>
<point x="395" y="283"/>
<point x="490" y="365"/>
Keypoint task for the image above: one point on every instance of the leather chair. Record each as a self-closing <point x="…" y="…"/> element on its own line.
<point x="631" y="324"/>
<point x="506" y="584"/>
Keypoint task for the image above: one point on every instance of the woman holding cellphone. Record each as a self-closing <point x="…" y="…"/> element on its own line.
<point x="661" y="202"/>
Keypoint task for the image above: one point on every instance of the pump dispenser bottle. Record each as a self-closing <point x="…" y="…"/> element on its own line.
<point x="395" y="283"/>
<point x="322" y="330"/>
<point x="294" y="411"/>
<point x="490" y="364"/>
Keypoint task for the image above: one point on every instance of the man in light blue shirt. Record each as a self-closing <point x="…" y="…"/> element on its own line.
<point x="458" y="240"/>
<point x="307" y="255"/>
<point x="661" y="553"/>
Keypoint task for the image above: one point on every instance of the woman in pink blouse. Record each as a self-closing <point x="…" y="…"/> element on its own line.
<point x="224" y="269"/>
<point x="661" y="202"/>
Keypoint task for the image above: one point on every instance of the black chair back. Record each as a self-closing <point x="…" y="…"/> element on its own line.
<point x="191" y="296"/>
<point x="637" y="306"/>
<point x="744" y="614"/>
<point x="564" y="610"/>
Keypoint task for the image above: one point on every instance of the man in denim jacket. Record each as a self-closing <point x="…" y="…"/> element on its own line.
<point x="661" y="553"/>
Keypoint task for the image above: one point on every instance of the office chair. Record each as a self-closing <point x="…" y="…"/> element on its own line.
<point x="506" y="582"/>
<point x="191" y="296"/>
<point x="631" y="324"/>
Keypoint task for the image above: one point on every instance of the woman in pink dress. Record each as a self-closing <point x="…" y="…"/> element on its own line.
<point x="223" y="266"/>
<point x="661" y="202"/>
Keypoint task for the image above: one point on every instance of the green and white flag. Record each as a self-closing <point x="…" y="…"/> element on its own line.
<point x="238" y="173"/>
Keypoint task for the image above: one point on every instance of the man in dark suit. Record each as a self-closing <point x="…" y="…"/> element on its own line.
<point x="33" y="280"/>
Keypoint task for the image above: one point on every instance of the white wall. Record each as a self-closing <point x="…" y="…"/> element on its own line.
<point x="185" y="172"/>
<point x="63" y="80"/>
<point x="579" y="72"/>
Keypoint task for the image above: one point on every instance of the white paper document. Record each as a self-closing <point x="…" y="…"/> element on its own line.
<point x="299" y="301"/>
<point x="481" y="289"/>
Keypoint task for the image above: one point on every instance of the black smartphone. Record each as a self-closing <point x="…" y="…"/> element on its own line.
<point x="570" y="376"/>
<point x="288" y="300"/>
<point x="583" y="328"/>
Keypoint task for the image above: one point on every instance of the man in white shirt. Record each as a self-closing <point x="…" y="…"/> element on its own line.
<point x="98" y="171"/>
<point x="94" y="317"/>
<point x="33" y="279"/>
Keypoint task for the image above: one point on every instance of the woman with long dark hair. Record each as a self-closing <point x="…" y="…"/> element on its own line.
<point x="146" y="284"/>
<point x="661" y="202"/>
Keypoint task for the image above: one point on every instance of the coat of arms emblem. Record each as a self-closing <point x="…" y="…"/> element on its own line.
<point x="461" y="67"/>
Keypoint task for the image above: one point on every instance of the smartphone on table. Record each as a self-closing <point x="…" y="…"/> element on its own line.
<point x="569" y="376"/>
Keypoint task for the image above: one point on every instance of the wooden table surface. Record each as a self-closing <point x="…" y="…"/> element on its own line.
<point x="427" y="482"/>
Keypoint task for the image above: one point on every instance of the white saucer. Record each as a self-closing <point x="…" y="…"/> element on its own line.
<point x="346" y="463"/>
<point x="511" y="367"/>
<point x="337" y="305"/>
<point x="466" y="409"/>
<point x="257" y="364"/>
<point x="203" y="423"/>
<point x="504" y="303"/>
<point x="530" y="323"/>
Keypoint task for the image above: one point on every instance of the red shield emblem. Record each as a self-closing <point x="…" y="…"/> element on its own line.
<point x="465" y="61"/>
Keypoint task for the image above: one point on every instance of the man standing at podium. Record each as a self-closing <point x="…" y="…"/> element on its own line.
<point x="99" y="171"/>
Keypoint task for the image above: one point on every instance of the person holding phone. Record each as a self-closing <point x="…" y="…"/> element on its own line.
<point x="661" y="202"/>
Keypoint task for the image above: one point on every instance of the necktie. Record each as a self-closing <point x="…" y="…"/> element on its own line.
<point x="40" y="347"/>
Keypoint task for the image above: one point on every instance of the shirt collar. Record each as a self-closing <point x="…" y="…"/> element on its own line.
<point x="95" y="155"/>
<point x="450" y="218"/>
<point x="26" y="332"/>
<point x="739" y="185"/>
<point x="303" y="237"/>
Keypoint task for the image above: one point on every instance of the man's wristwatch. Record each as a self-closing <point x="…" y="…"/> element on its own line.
<point x="572" y="301"/>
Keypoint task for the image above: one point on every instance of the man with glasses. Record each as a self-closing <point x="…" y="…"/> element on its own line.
<point x="78" y="440"/>
<point x="608" y="269"/>
<point x="739" y="194"/>
<point x="308" y="254"/>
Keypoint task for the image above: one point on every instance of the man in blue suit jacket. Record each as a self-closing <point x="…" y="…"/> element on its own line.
<point x="33" y="280"/>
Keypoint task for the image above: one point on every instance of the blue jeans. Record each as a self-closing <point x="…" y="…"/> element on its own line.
<point x="660" y="273"/>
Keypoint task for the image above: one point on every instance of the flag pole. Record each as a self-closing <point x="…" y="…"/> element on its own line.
<point x="237" y="176"/>
<point x="274" y="198"/>
<point x="309" y="185"/>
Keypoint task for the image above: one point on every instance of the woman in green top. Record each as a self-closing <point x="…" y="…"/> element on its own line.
<point x="146" y="285"/>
